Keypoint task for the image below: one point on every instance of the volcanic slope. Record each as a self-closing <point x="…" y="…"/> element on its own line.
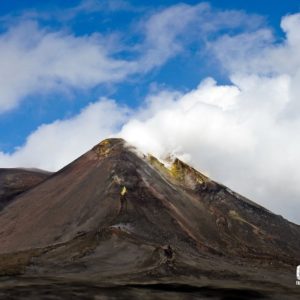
<point x="117" y="218"/>
<point x="16" y="181"/>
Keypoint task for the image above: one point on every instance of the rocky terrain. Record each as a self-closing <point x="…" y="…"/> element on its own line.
<point x="116" y="224"/>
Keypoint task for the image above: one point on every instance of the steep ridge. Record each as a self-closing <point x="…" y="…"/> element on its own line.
<point x="116" y="216"/>
<point x="16" y="181"/>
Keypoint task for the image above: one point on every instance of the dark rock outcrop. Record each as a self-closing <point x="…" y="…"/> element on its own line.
<point x="16" y="181"/>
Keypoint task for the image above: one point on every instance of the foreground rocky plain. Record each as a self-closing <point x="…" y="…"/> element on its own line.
<point x="116" y="224"/>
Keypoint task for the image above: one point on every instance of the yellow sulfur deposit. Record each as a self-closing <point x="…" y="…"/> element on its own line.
<point x="123" y="191"/>
<point x="182" y="171"/>
<point x="103" y="148"/>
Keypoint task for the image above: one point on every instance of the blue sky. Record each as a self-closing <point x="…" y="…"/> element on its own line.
<point x="215" y="83"/>
<point x="184" y="71"/>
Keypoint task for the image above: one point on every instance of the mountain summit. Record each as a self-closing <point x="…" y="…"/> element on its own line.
<point x="115" y="217"/>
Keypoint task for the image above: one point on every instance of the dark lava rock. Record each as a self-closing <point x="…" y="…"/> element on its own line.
<point x="16" y="181"/>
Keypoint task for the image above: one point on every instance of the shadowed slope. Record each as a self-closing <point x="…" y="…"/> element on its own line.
<point x="16" y="181"/>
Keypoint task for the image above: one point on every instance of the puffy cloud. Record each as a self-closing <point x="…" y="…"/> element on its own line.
<point x="35" y="60"/>
<point x="258" y="54"/>
<point x="54" y="145"/>
<point x="168" y="31"/>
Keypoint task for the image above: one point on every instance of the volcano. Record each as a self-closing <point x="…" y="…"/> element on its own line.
<point x="118" y="224"/>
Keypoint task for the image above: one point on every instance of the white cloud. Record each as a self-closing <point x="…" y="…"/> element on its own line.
<point x="87" y="7"/>
<point x="54" y="145"/>
<point x="252" y="58"/>
<point x="35" y="60"/>
<point x="258" y="52"/>
<point x="63" y="15"/>
<point x="168" y="31"/>
<point x="163" y="30"/>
